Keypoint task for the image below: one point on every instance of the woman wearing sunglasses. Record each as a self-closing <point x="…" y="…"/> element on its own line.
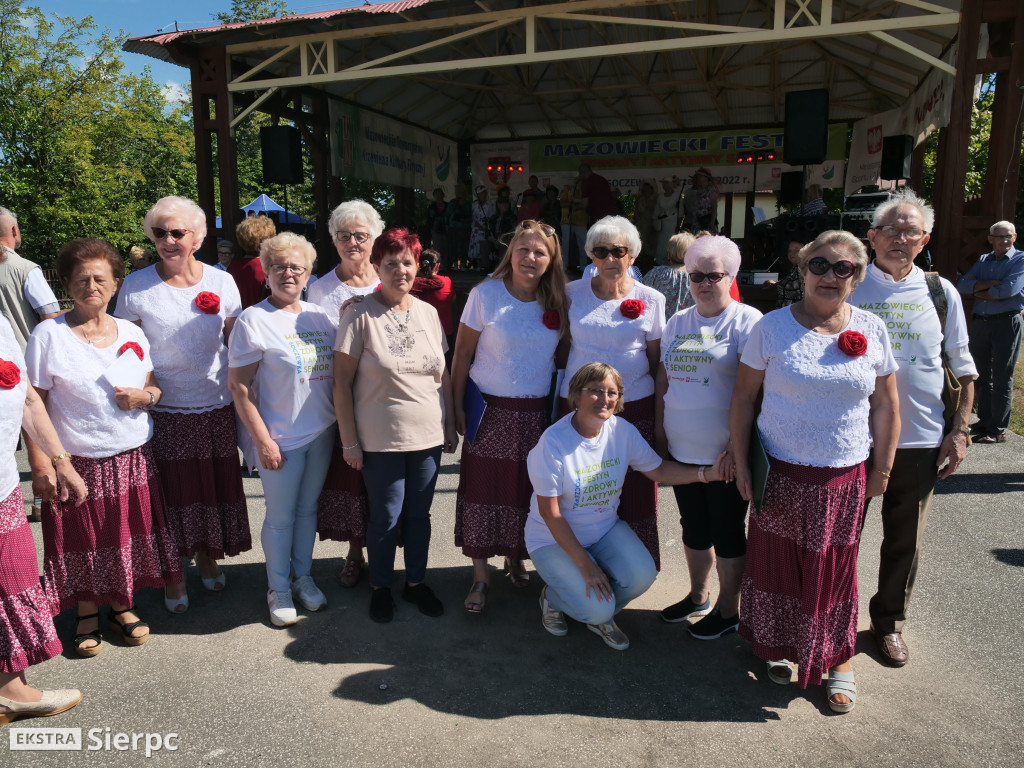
<point x="617" y="320"/>
<point x="187" y="310"/>
<point x="281" y="376"/>
<point x="510" y="329"/>
<point x="829" y="424"/>
<point x="701" y="351"/>
<point x="592" y="563"/>
<point x="343" y="509"/>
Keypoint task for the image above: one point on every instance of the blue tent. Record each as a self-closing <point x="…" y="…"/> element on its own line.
<point x="265" y="205"/>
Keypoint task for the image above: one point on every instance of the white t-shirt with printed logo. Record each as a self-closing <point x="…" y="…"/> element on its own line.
<point x="295" y="377"/>
<point x="329" y="293"/>
<point x="80" y="401"/>
<point x="585" y="475"/>
<point x="907" y="310"/>
<point x="701" y="356"/>
<point x="601" y="333"/>
<point x="190" y="359"/>
<point x="515" y="355"/>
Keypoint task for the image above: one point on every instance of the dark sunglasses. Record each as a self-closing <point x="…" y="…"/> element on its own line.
<point x="547" y="229"/>
<point x="177" y="234"/>
<point x="819" y="265"/>
<point x="699" y="277"/>
<point x="603" y="251"/>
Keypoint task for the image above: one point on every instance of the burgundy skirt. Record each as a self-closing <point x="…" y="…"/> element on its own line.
<point x="342" y="511"/>
<point x="493" y="500"/>
<point x="116" y="541"/>
<point x="638" y="503"/>
<point x="197" y="454"/>
<point x="799" y="594"/>
<point x="27" y="635"/>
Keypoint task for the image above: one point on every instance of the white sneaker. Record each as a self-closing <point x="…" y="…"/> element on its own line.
<point x="282" y="609"/>
<point x="552" y="620"/>
<point x="611" y="634"/>
<point x="307" y="593"/>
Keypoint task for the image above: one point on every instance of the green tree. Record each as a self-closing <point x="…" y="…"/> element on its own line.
<point x="85" y="148"/>
<point x="251" y="10"/>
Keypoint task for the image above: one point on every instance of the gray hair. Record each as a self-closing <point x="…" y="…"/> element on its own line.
<point x="5" y="213"/>
<point x="613" y="229"/>
<point x="356" y="210"/>
<point x="905" y="196"/>
<point x="714" y="246"/>
<point x="1007" y="225"/>
<point x="194" y="216"/>
<point x="841" y="239"/>
<point x="283" y="243"/>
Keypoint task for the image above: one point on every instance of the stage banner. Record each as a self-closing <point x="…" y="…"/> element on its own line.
<point x="368" y="146"/>
<point x="925" y="111"/>
<point x="628" y="162"/>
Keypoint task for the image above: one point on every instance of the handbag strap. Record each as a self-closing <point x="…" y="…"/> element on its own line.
<point x="941" y="306"/>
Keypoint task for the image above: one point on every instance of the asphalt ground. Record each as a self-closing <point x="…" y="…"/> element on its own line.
<point x="496" y="689"/>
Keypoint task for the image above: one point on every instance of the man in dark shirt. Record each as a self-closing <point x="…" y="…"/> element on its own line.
<point x="596" y="194"/>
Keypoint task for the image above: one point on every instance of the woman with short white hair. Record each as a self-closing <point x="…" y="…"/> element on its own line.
<point x="281" y="374"/>
<point x="187" y="309"/>
<point x="616" y="320"/>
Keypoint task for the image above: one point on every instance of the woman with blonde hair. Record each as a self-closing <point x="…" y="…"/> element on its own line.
<point x="670" y="279"/>
<point x="511" y="326"/>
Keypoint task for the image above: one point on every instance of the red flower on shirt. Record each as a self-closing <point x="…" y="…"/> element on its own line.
<point x="10" y="376"/>
<point x="208" y="303"/>
<point x="631" y="308"/>
<point x="551" y="319"/>
<point x="133" y="346"/>
<point x="853" y="343"/>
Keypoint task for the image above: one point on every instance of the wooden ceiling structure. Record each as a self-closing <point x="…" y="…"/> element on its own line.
<point x="482" y="70"/>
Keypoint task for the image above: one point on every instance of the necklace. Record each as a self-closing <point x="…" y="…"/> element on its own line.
<point x="404" y="329"/>
<point x="93" y="341"/>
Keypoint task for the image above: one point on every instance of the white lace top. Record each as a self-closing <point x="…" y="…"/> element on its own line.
<point x="515" y="355"/>
<point x="815" y="409"/>
<point x="80" y="401"/>
<point x="190" y="358"/>
<point x="329" y="293"/>
<point x="601" y="333"/>
<point x="12" y="400"/>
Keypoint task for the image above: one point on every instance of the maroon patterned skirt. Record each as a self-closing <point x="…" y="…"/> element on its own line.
<point x="342" y="511"/>
<point x="27" y="635"/>
<point x="116" y="541"/>
<point x="638" y="503"/>
<point x="493" y="500"/>
<point x="799" y="594"/>
<point x="197" y="454"/>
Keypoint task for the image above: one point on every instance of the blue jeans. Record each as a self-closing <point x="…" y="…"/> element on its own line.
<point x="291" y="493"/>
<point x="399" y="486"/>
<point x="995" y="346"/>
<point x="620" y="555"/>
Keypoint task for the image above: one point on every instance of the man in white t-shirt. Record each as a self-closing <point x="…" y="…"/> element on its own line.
<point x="897" y="292"/>
<point x="25" y="296"/>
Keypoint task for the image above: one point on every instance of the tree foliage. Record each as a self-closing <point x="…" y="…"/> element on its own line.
<point x="85" y="148"/>
<point x="252" y="10"/>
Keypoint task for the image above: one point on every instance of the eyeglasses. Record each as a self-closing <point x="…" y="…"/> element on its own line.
<point x="611" y="394"/>
<point x="177" y="234"/>
<point x="291" y="269"/>
<point x="604" y="251"/>
<point x="699" y="277"/>
<point x="547" y="229"/>
<point x="819" y="265"/>
<point x="344" y="237"/>
<point x="911" y="235"/>
<point x="1002" y="237"/>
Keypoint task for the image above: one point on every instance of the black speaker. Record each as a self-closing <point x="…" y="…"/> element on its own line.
<point x="806" y="138"/>
<point x="897" y="157"/>
<point x="282" y="154"/>
<point x="792" y="189"/>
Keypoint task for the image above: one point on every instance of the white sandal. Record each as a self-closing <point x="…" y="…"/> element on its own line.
<point x="780" y="672"/>
<point x="844" y="683"/>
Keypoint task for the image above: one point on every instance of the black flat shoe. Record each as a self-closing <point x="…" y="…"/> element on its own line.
<point x="382" y="606"/>
<point x="424" y="598"/>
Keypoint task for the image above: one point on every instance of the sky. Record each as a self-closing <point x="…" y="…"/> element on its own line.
<point x="145" y="17"/>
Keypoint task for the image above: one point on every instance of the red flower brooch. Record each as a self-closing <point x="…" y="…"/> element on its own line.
<point x="631" y="308"/>
<point x="10" y="376"/>
<point x="551" y="320"/>
<point x="208" y="303"/>
<point x="133" y="346"/>
<point x="853" y="343"/>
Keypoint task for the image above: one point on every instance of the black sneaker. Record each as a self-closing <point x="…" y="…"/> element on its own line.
<point x="684" y="609"/>
<point x="382" y="606"/>
<point x="714" y="625"/>
<point x="424" y="599"/>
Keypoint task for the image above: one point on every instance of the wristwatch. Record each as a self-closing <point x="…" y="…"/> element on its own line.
<point x="965" y="431"/>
